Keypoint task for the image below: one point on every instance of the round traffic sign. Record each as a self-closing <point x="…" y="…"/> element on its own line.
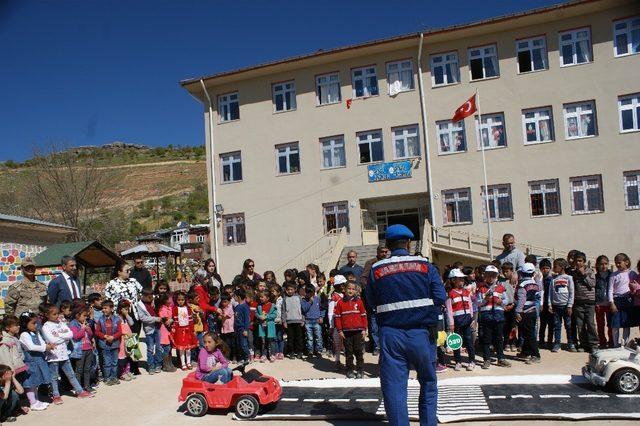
<point x="454" y="341"/>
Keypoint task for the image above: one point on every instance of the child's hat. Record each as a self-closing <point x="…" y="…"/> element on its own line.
<point x="491" y="268"/>
<point x="456" y="273"/>
<point x="528" y="268"/>
<point x="339" y="279"/>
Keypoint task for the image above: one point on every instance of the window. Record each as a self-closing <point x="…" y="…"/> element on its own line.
<point x="444" y="69"/>
<point x="575" y="47"/>
<point x="500" y="207"/>
<point x="400" y="76"/>
<point x="333" y="154"/>
<point x="451" y="136"/>
<point x="336" y="216"/>
<point x="234" y="231"/>
<point x="537" y="125"/>
<point x="579" y="120"/>
<point x="545" y="198"/>
<point x="365" y="82"/>
<point x="586" y="194"/>
<point x="284" y="96"/>
<point x="328" y="89"/>
<point x="231" y="167"/>
<point x="532" y="54"/>
<point x="632" y="190"/>
<point x="228" y="107"/>
<point x="629" y="109"/>
<point x="483" y="62"/>
<point x="457" y="206"/>
<point x="370" y="147"/>
<point x="200" y="238"/>
<point x="492" y="131"/>
<point x="406" y="142"/>
<point x="288" y="158"/>
<point x="626" y="36"/>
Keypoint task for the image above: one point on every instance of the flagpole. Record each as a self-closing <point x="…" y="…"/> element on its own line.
<point x="484" y="173"/>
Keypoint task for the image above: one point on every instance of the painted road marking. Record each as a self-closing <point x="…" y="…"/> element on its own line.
<point x="593" y="395"/>
<point x="497" y="397"/>
<point x="313" y="400"/>
<point x="339" y="400"/>
<point x="628" y="396"/>
<point x="521" y="396"/>
<point x="367" y="400"/>
<point x="554" y="396"/>
<point x="289" y="399"/>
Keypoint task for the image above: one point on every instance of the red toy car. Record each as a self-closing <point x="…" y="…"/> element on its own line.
<point x="247" y="392"/>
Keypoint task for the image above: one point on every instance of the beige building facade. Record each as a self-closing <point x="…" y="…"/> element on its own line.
<point x="303" y="146"/>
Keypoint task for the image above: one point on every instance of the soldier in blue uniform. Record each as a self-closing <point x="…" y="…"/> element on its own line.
<point x="407" y="294"/>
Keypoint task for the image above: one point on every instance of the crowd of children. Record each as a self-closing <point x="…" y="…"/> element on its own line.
<point x="494" y="308"/>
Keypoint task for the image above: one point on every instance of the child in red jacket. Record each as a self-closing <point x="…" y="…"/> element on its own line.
<point x="351" y="322"/>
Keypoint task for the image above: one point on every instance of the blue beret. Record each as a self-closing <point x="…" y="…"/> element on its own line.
<point x="398" y="232"/>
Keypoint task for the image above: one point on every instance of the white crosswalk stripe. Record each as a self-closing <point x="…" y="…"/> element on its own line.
<point x="451" y="400"/>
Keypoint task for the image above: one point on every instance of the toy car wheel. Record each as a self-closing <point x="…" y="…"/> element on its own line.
<point x="626" y="380"/>
<point x="196" y="405"/>
<point x="247" y="407"/>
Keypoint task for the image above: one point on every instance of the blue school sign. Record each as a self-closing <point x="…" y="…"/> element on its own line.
<point x="389" y="171"/>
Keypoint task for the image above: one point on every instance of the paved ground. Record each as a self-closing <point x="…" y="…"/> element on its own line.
<point x="153" y="399"/>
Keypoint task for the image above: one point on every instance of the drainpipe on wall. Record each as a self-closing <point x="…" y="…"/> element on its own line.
<point x="211" y="181"/>
<point x="427" y="152"/>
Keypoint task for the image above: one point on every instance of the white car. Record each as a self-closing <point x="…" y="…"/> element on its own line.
<point x="618" y="368"/>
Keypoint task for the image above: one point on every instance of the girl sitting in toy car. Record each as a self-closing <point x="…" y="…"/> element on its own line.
<point x="212" y="364"/>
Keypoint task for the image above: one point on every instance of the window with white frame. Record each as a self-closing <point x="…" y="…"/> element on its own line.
<point x="234" y="229"/>
<point x="629" y="112"/>
<point x="632" y="190"/>
<point x="451" y="136"/>
<point x="483" y="62"/>
<point x="457" y="206"/>
<point x="288" y="158"/>
<point x="492" y="133"/>
<point x="545" y="198"/>
<point x="328" y="88"/>
<point x="406" y="142"/>
<point x="228" y="107"/>
<point x="231" y="167"/>
<point x="364" y="81"/>
<point x="579" y="120"/>
<point x="575" y="47"/>
<point x="445" y="69"/>
<point x="400" y="76"/>
<point x="626" y="36"/>
<point x="284" y="96"/>
<point x="370" y="147"/>
<point x="532" y="54"/>
<point x="200" y="238"/>
<point x="537" y="125"/>
<point x="586" y="194"/>
<point x="336" y="216"/>
<point x="333" y="153"/>
<point x="500" y="205"/>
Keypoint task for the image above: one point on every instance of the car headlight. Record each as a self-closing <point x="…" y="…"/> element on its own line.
<point x="602" y="364"/>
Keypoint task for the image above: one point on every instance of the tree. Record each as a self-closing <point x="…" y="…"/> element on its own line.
<point x="66" y="190"/>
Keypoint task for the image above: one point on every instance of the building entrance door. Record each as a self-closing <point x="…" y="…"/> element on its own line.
<point x="410" y="218"/>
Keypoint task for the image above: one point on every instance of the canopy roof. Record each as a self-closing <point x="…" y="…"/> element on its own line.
<point x="90" y="254"/>
<point x="151" y="249"/>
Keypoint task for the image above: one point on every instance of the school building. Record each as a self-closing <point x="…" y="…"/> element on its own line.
<point x="300" y="148"/>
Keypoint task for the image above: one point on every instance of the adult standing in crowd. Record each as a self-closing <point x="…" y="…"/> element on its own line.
<point x="352" y="265"/>
<point x="381" y="253"/>
<point x="123" y="287"/>
<point x="27" y="294"/>
<point x="140" y="273"/>
<point x="65" y="286"/>
<point x="212" y="272"/>
<point x="408" y="294"/>
<point x="200" y="286"/>
<point x="312" y="271"/>
<point x="510" y="253"/>
<point x="248" y="276"/>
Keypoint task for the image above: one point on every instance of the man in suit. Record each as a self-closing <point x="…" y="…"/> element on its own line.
<point x="65" y="286"/>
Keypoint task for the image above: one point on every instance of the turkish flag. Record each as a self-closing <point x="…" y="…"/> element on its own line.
<point x="465" y="110"/>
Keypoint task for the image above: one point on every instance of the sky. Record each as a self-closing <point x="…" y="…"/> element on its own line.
<point x="89" y="72"/>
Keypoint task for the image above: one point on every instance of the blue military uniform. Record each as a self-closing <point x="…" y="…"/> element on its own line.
<point x="407" y="294"/>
